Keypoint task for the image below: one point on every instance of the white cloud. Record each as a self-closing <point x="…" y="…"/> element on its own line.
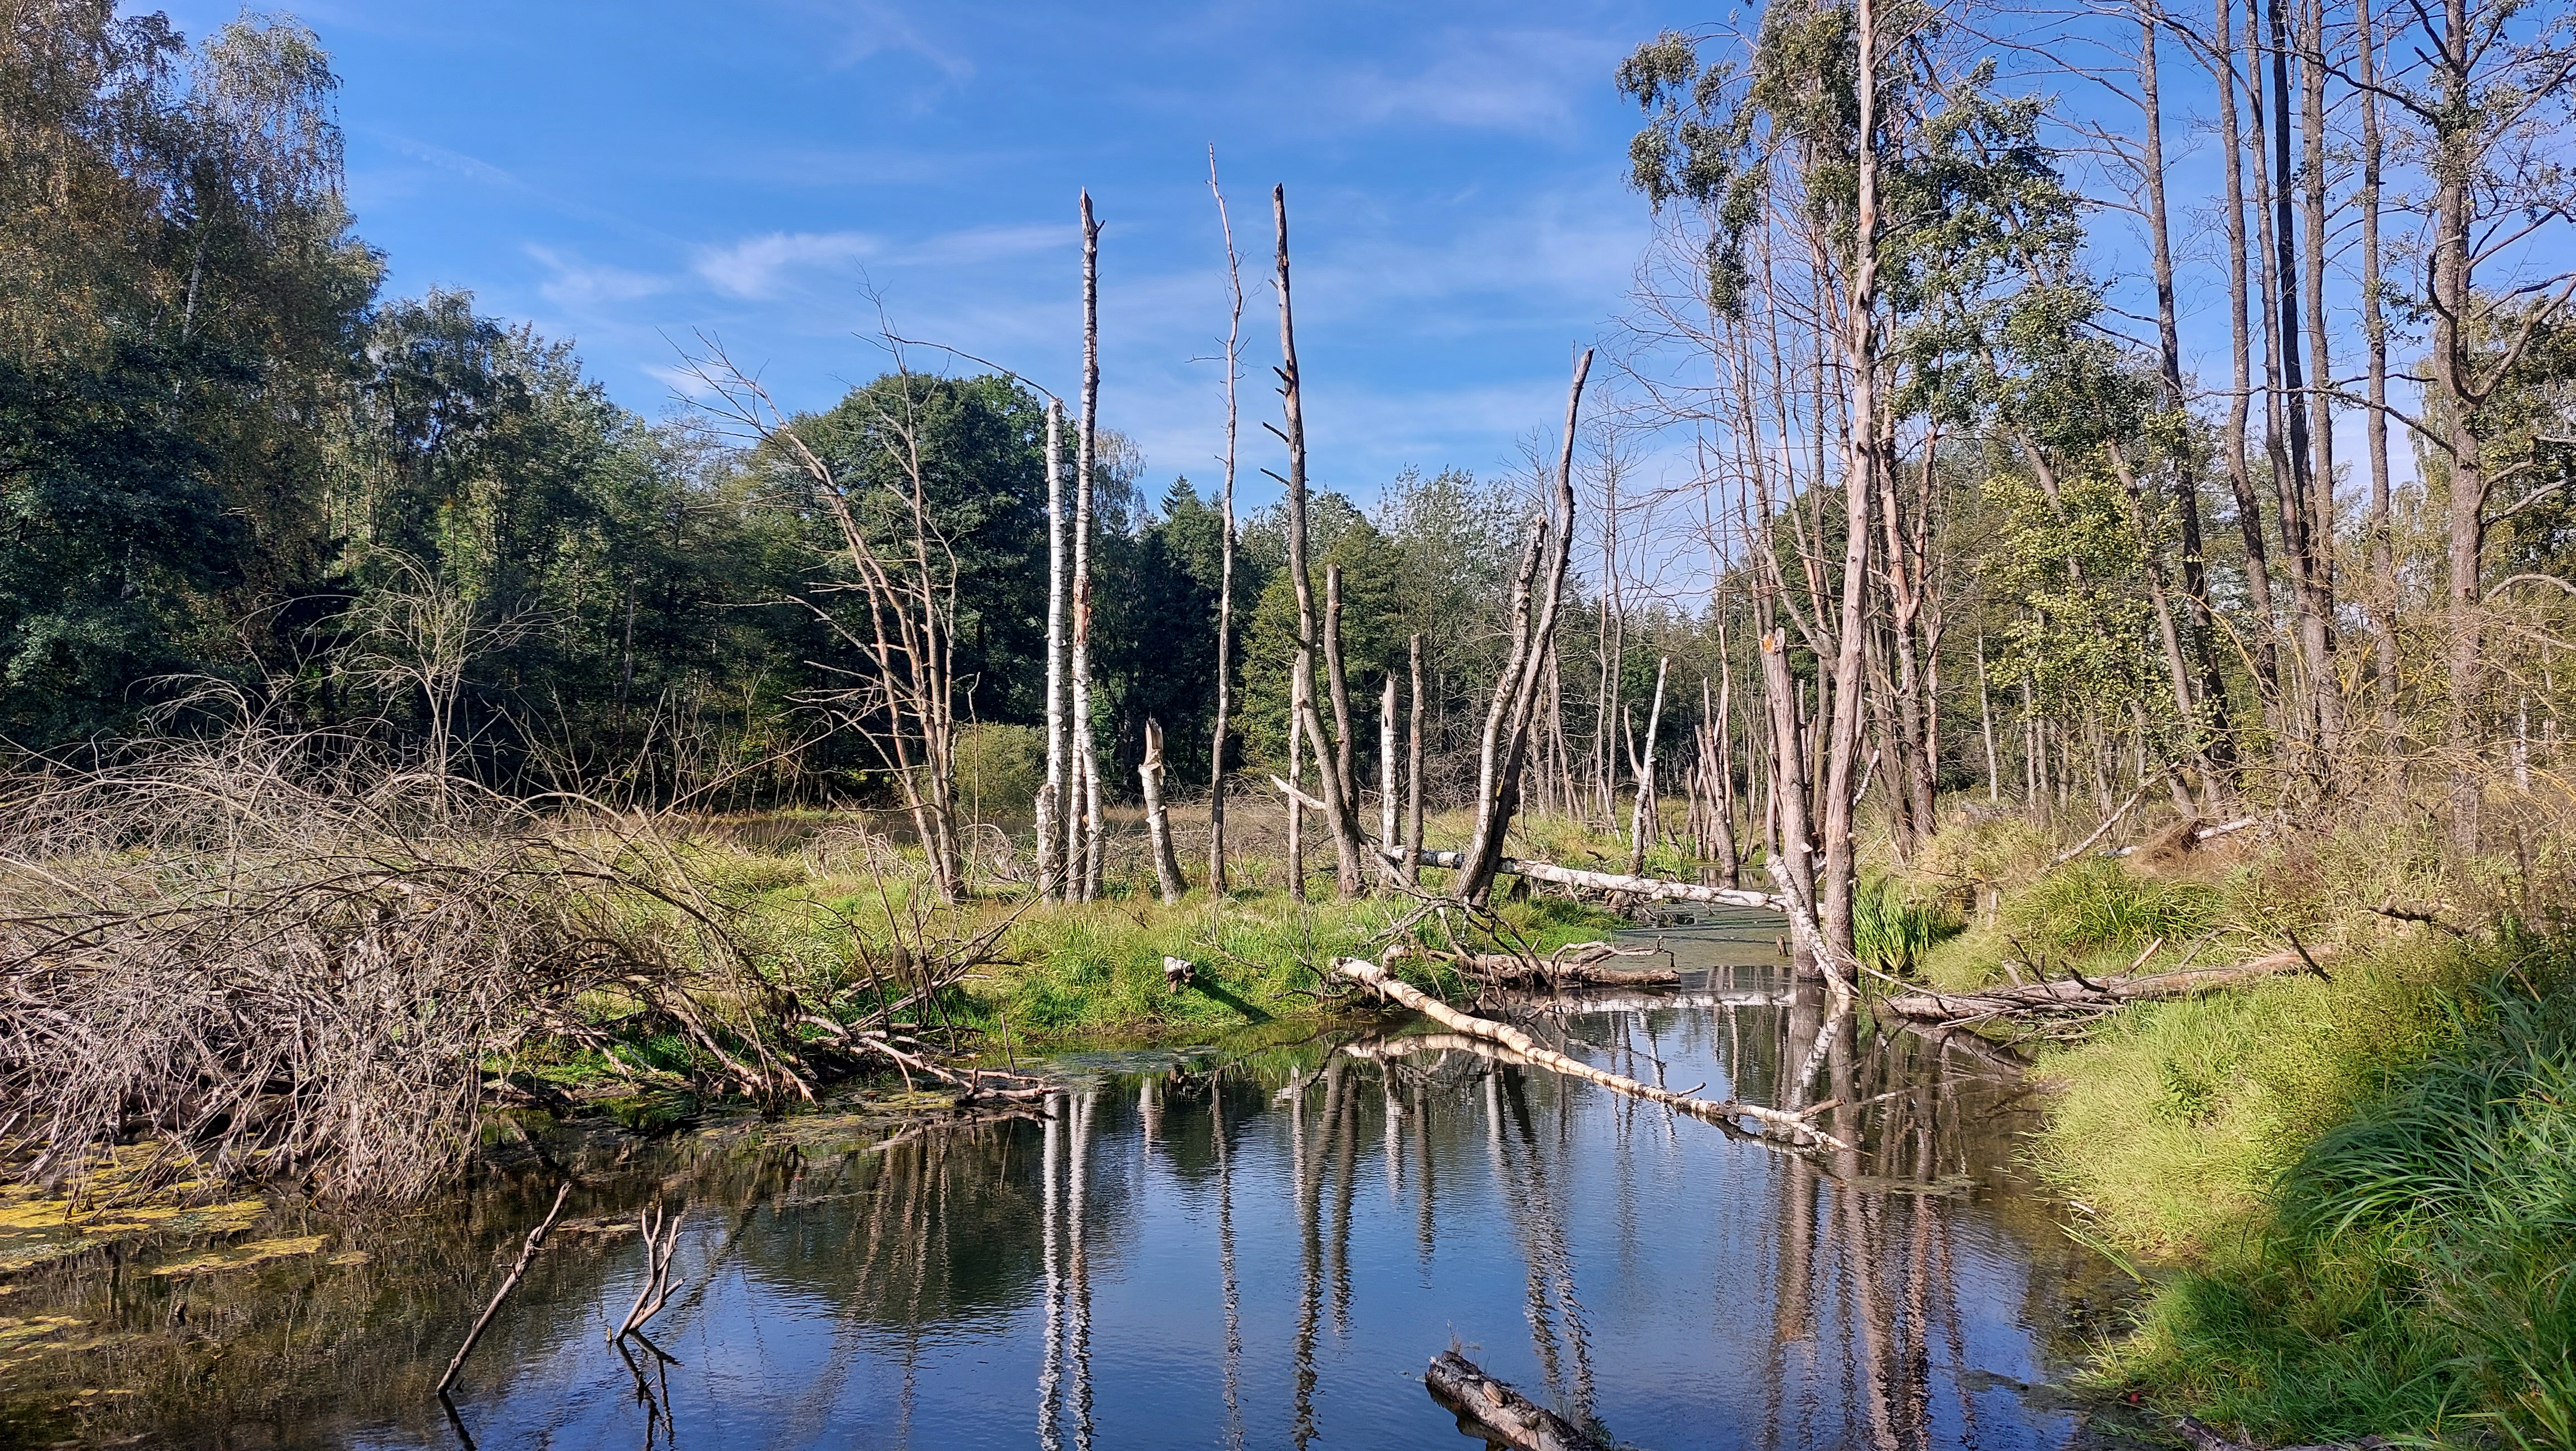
<point x="574" y="283"/>
<point x="759" y="267"/>
<point x="1518" y="81"/>
<point x="681" y="382"/>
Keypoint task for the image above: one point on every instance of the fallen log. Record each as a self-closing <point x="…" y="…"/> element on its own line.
<point x="1584" y="967"/>
<point x="1504" y="1414"/>
<point x="2069" y="994"/>
<point x="1374" y="977"/>
<point x="1653" y="888"/>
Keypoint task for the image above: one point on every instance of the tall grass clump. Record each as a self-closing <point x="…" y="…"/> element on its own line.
<point x="2412" y="1269"/>
<point x="2099" y="905"/>
<point x="1893" y="931"/>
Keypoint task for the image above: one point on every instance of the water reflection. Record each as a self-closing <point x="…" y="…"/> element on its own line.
<point x="1190" y="1250"/>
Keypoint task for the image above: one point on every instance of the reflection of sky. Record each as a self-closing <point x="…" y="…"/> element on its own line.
<point x="1659" y="1244"/>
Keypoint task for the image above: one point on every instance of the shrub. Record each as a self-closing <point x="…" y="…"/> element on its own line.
<point x="999" y="770"/>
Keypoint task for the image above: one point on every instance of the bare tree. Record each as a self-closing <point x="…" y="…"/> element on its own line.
<point x="1340" y="814"/>
<point x="1505" y="742"/>
<point x="417" y="633"/>
<point x="1225" y="569"/>
<point x="906" y="584"/>
<point x="1084" y="846"/>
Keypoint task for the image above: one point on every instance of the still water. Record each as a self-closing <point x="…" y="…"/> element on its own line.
<point x="1243" y="1245"/>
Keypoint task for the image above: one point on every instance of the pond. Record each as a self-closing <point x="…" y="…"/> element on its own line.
<point x="1254" y="1244"/>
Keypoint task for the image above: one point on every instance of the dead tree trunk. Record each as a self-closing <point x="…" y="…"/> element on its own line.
<point x="1342" y="817"/>
<point x="1083" y="841"/>
<point x="1296" y="809"/>
<point x="1345" y="747"/>
<point x="1861" y="464"/>
<point x="1413" y="777"/>
<point x="1386" y="768"/>
<point x="1645" y="822"/>
<point x="1158" y="821"/>
<point x="1505" y="1413"/>
<point x="1225" y="568"/>
<point x="1507" y="719"/>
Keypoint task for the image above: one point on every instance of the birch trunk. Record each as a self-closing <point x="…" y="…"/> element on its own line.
<point x="1052" y="883"/>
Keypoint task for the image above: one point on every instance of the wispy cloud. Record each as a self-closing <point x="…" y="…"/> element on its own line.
<point x="758" y="268"/>
<point x="1524" y="82"/>
<point x="574" y="283"/>
<point x="870" y="28"/>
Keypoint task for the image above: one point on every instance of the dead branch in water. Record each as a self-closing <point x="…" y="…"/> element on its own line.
<point x="661" y="1242"/>
<point x="1374" y="977"/>
<point x="527" y="1252"/>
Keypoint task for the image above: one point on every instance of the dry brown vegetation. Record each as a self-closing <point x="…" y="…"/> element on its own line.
<point x="272" y="958"/>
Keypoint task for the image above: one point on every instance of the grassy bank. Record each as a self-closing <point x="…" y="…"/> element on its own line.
<point x="2352" y="1194"/>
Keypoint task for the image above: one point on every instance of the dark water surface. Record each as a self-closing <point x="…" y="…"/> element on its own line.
<point x="1238" y="1247"/>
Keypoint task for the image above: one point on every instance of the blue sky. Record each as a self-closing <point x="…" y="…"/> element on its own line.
<point x="626" y="175"/>
<point x="629" y="176"/>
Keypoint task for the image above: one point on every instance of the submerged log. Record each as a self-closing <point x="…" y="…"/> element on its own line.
<point x="2077" y="994"/>
<point x="1653" y="888"/>
<point x="1374" y="977"/>
<point x="1505" y="1414"/>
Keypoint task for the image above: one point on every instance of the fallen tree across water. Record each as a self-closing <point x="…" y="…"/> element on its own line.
<point x="1374" y="977"/>
<point x="1508" y="1416"/>
<point x="1653" y="888"/>
<point x="2077" y="994"/>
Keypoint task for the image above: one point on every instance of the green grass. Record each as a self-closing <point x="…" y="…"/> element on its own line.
<point x="2371" y="1182"/>
<point x="1257" y="956"/>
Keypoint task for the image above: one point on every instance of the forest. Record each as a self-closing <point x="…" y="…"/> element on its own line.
<point x="2073" y="519"/>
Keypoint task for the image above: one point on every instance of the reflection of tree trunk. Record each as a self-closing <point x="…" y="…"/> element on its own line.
<point x="1050" y="1367"/>
<point x="1225" y="1264"/>
<point x="1079" y="1280"/>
